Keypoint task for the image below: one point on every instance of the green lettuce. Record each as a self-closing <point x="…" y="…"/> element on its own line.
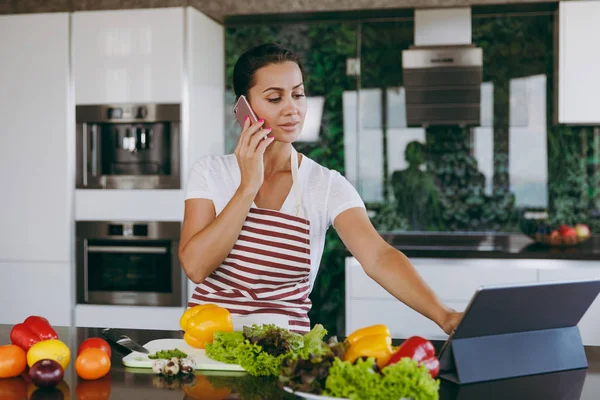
<point x="313" y="342"/>
<point x="405" y="379"/>
<point x="308" y="373"/>
<point x="273" y="339"/>
<point x="224" y="345"/>
<point x="258" y="362"/>
<point x="261" y="349"/>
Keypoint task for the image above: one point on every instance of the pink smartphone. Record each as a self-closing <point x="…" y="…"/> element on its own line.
<point x="242" y="109"/>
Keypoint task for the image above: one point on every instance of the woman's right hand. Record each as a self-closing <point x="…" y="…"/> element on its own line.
<point x="249" y="153"/>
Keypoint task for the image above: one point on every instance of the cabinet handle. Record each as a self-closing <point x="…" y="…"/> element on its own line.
<point x="127" y="249"/>
<point x="94" y="149"/>
<point x="84" y="150"/>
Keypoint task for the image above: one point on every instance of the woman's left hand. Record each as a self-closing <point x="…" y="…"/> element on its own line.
<point x="451" y="321"/>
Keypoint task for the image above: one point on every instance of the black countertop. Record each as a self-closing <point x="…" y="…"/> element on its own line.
<point x="128" y="383"/>
<point x="466" y="245"/>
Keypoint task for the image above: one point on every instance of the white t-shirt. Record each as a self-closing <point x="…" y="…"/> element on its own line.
<point x="325" y="194"/>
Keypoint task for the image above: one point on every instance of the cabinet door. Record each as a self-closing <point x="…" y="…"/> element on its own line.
<point x="453" y="280"/>
<point x="128" y="56"/>
<point x="579" y="62"/>
<point x="35" y="289"/>
<point x="589" y="325"/>
<point x="35" y="205"/>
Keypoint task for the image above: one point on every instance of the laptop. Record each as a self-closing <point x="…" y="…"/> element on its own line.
<point x="503" y="309"/>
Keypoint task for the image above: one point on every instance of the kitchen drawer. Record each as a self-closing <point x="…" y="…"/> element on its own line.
<point x="128" y="317"/>
<point x="402" y="321"/>
<point x="450" y="279"/>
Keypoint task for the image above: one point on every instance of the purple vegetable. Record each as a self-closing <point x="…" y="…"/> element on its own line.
<point x="46" y="373"/>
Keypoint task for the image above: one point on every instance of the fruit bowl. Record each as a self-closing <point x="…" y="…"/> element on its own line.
<point x="537" y="226"/>
<point x="557" y="240"/>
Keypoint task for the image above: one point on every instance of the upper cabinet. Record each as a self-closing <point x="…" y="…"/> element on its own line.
<point x="579" y="62"/>
<point x="132" y="56"/>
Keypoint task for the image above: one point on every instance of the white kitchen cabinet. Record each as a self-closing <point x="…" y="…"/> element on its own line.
<point x="589" y="325"/>
<point x="128" y="56"/>
<point x="128" y="317"/>
<point x="402" y="321"/>
<point x="578" y="62"/>
<point x="206" y="76"/>
<point x="455" y="281"/>
<point x="37" y="141"/>
<point x="36" y="289"/>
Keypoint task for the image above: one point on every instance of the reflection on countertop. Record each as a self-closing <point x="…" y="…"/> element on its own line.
<point x="486" y="245"/>
<point x="132" y="383"/>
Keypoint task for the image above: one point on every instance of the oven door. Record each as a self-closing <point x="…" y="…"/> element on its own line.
<point x="130" y="272"/>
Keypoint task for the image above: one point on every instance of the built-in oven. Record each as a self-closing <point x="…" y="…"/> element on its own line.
<point x="128" y="146"/>
<point x="129" y="263"/>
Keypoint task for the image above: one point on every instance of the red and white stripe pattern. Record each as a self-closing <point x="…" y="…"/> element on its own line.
<point x="267" y="271"/>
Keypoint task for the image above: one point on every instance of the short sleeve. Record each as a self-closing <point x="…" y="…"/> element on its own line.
<point x="341" y="196"/>
<point x="197" y="186"/>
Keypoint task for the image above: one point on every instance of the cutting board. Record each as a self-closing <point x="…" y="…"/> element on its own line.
<point x="141" y="360"/>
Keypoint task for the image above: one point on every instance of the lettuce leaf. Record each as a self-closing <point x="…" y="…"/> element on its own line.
<point x="261" y="349"/>
<point x="273" y="339"/>
<point x="224" y="346"/>
<point x="258" y="362"/>
<point x="309" y="373"/>
<point x="313" y="342"/>
<point x="405" y="379"/>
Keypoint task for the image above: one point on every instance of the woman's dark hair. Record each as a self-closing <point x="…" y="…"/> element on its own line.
<point x="256" y="58"/>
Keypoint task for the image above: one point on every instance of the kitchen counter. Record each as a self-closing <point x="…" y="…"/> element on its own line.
<point x="128" y="383"/>
<point x="503" y="246"/>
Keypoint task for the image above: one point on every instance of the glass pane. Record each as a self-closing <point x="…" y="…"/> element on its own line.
<point x="470" y="179"/>
<point x="131" y="271"/>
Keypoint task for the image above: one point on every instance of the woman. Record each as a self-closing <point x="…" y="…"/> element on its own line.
<point x="255" y="221"/>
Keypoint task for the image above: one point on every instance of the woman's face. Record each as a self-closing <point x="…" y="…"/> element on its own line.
<point x="278" y="97"/>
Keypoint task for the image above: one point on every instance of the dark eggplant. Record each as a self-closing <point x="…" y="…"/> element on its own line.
<point x="46" y="373"/>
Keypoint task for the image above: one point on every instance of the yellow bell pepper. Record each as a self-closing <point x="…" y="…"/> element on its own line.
<point x="368" y="331"/>
<point x="202" y="321"/>
<point x="192" y="311"/>
<point x="372" y="341"/>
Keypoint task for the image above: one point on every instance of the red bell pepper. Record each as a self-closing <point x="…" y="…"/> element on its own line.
<point x="41" y="327"/>
<point x="34" y="329"/>
<point x="420" y="350"/>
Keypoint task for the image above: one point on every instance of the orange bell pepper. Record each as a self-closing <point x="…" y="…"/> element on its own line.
<point x="201" y="322"/>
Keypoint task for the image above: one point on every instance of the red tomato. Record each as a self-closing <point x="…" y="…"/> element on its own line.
<point x="95" y="343"/>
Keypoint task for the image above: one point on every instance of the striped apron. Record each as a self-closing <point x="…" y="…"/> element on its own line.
<point x="265" y="278"/>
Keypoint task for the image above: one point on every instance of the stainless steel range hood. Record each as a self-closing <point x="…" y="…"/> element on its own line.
<point x="443" y="74"/>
